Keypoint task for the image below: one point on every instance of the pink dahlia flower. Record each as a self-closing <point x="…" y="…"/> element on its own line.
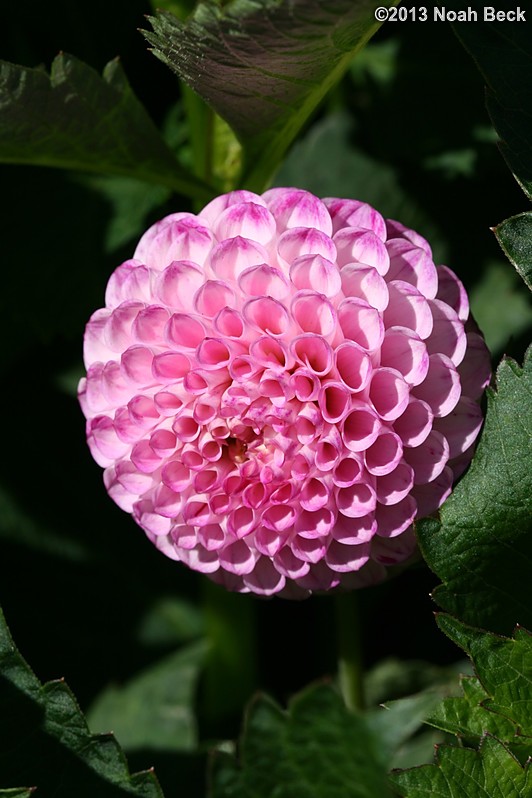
<point x="279" y="386"/>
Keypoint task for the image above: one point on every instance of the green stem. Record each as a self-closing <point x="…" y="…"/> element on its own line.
<point x="350" y="671"/>
<point x="230" y="675"/>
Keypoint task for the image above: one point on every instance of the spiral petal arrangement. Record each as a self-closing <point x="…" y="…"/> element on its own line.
<point x="279" y="386"/>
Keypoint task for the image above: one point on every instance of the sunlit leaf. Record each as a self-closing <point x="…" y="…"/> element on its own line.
<point x="264" y="65"/>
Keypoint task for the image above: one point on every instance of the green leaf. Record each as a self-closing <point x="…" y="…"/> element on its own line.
<point x="264" y="65"/>
<point x="481" y="544"/>
<point x="156" y="708"/>
<point x="467" y="718"/>
<point x="490" y="772"/>
<point x="316" y="749"/>
<point x="504" y="669"/>
<point x="515" y="237"/>
<point x="45" y="740"/>
<point x="17" y="792"/>
<point x="75" y="119"/>
<point x="495" y="711"/>
<point x="503" y="53"/>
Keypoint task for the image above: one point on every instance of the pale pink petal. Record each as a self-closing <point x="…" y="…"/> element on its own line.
<point x="265" y="579"/>
<point x="415" y="423"/>
<point x="448" y="336"/>
<point x="245" y="219"/>
<point x="343" y="558"/>
<point x="361" y="323"/>
<point x="413" y="265"/>
<point x="475" y="368"/>
<point x="358" y="245"/>
<point x="452" y="292"/>
<point x="429" y="459"/>
<point x="408" y="308"/>
<point x="403" y="349"/>
<point x="441" y="388"/>
<point x="316" y="273"/>
<point x="430" y="497"/>
<point x="461" y="426"/>
<point x="353" y="213"/>
<point x="366" y="283"/>
<point x="298" y="242"/>
<point x="297" y="208"/>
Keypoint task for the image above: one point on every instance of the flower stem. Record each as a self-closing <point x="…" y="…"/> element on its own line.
<point x="230" y="675"/>
<point x="350" y="671"/>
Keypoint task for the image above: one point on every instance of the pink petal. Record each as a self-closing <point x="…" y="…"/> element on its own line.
<point x="357" y="245"/>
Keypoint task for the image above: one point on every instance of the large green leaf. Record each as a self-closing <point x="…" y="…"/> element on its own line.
<point x="503" y="53"/>
<point x="75" y="119"/>
<point x="317" y="749"/>
<point x="156" y="708"/>
<point x="481" y="544"/>
<point x="264" y="65"/>
<point x="45" y="740"/>
<point x="515" y="237"/>
<point x="490" y="772"/>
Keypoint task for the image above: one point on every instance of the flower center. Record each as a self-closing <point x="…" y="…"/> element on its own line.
<point x="237" y="450"/>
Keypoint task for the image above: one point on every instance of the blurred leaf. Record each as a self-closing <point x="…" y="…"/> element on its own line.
<point x="74" y="119"/>
<point x="326" y="163"/>
<point x="316" y="749"/>
<point x="515" y="237"/>
<point x="481" y="544"/>
<point x="131" y="202"/>
<point x="179" y="8"/>
<point x="399" y="720"/>
<point x="418" y="750"/>
<point x="490" y="772"/>
<point x="18" y="525"/>
<point x="453" y="163"/>
<point x="44" y="739"/>
<point x="377" y="61"/>
<point x="396" y="678"/>
<point x="264" y="66"/>
<point x="499" y="305"/>
<point x="156" y="708"/>
<point x="169" y="621"/>
<point x="398" y="723"/>
<point x="503" y="53"/>
<point x="17" y="792"/>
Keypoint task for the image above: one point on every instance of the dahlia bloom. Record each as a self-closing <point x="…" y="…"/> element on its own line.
<point x="279" y="386"/>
